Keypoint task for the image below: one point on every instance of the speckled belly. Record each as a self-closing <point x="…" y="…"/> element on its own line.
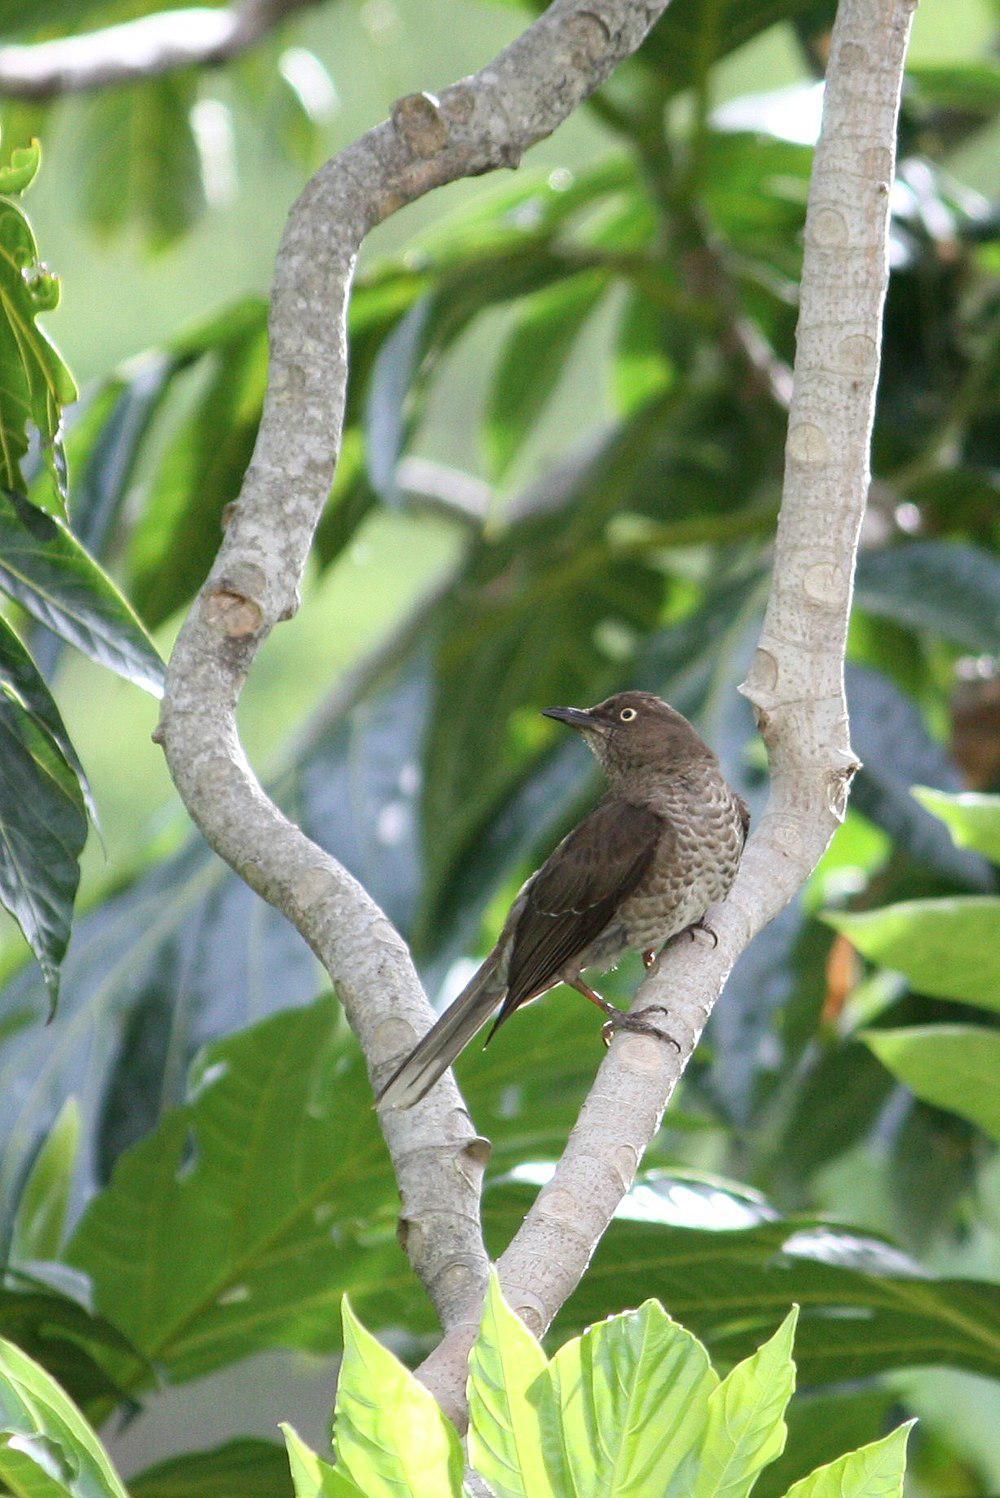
<point x="690" y="872"/>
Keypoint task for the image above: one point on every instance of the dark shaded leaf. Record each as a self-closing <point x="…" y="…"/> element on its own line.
<point x="865" y="1307"/>
<point x="77" y="1346"/>
<point x="43" y="827"/>
<point x="240" y="1469"/>
<point x="198" y="475"/>
<point x="949" y="588"/>
<point x="891" y="740"/>
<point x="20" y="678"/>
<point x="44" y="567"/>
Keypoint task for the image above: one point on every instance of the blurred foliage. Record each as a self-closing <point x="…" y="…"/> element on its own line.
<point x="190" y="1170"/>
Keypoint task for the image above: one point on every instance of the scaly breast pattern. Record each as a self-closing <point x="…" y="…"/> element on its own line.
<point x="692" y="868"/>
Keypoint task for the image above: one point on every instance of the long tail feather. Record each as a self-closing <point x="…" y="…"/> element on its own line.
<point x="433" y="1055"/>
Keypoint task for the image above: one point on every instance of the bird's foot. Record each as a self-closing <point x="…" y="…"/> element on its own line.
<point x="701" y="924"/>
<point x="634" y="1022"/>
<point x="649" y="957"/>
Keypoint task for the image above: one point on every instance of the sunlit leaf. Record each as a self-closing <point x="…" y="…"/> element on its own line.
<point x="504" y="1437"/>
<point x="951" y="1066"/>
<point x="47" y="1448"/>
<point x="390" y="1434"/>
<point x="948" y="947"/>
<point x="973" y="820"/>
<point x="876" y="1471"/>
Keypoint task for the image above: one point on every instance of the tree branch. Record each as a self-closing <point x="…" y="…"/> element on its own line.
<point x="795" y="682"/>
<point x="483" y="122"/>
<point x="136" y="51"/>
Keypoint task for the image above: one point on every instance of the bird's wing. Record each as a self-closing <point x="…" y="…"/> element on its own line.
<point x="575" y="894"/>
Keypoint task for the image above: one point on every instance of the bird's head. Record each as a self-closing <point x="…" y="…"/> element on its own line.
<point x="635" y="732"/>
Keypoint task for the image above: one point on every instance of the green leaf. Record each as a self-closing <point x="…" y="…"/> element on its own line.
<point x="876" y="1471"/>
<point x="139" y="161"/>
<point x="47" y="1449"/>
<point x="864" y="1306"/>
<point x="746" y="1427"/>
<point x="952" y="1066"/>
<point x="243" y="1468"/>
<point x="628" y="1407"/>
<point x="49" y="573"/>
<point x="23" y="168"/>
<point x="532" y="362"/>
<point x="504" y="1435"/>
<point x="43" y="827"/>
<point x="35" y="384"/>
<point x="972" y="819"/>
<point x="948" y="587"/>
<point x="390" y="1434"/>
<point x="947" y="947"/>
<point x="312" y="1477"/>
<point x="820" y="1428"/>
<point x="50" y="1322"/>
<point x="20" y="677"/>
<point x="37" y="1232"/>
<point x="231" y="1227"/>
<point x="199" y="473"/>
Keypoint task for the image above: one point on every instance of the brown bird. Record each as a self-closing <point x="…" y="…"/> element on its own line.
<point x="660" y="848"/>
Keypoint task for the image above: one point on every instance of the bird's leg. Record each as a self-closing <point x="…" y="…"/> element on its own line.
<point x="649" y="957"/>
<point x="619" y="1019"/>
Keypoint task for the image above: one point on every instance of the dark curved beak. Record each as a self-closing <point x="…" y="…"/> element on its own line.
<point x="576" y="717"/>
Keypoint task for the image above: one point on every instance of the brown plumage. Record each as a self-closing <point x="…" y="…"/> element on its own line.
<point x="659" y="849"/>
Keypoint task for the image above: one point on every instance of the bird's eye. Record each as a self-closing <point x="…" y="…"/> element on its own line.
<point x="627" y="714"/>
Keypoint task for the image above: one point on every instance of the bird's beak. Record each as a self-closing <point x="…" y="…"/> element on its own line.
<point x="576" y="717"/>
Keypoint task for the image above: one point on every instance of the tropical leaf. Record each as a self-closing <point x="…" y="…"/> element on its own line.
<point x="397" y="1441"/>
<point x="973" y="820"/>
<point x="35" y="383"/>
<point x="229" y="1228"/>
<point x="242" y="1468"/>
<point x="865" y="1306"/>
<point x="505" y="1363"/>
<point x="951" y="1066"/>
<point x="947" y="947"/>
<point x="47" y="1449"/>
<point x="48" y="572"/>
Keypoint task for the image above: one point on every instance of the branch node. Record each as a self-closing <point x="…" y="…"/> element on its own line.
<point x="420" y="124"/>
<point x="233" y="613"/>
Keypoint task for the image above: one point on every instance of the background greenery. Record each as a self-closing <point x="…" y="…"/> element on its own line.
<point x="571" y="338"/>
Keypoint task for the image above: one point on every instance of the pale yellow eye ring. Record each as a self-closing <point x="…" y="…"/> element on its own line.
<point x="627" y="714"/>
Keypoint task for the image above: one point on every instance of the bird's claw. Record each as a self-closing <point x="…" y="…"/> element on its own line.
<point x="633" y="1021"/>
<point x="702" y="925"/>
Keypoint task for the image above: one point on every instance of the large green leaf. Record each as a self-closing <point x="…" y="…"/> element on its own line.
<point x="139" y="160"/>
<point x="232" y="1226"/>
<point x="199" y="473"/>
<point x="47" y="1449"/>
<point x="20" y="678"/>
<point x="948" y="947"/>
<point x="952" y="1066"/>
<point x="43" y="827"/>
<point x="40" y="1218"/>
<point x="504" y="1444"/>
<point x="390" y="1434"/>
<point x="628" y="1406"/>
<point x="746" y="1426"/>
<point x="820" y="1428"/>
<point x="876" y="1471"/>
<point x="973" y="820"/>
<point x="48" y="572"/>
<point x="243" y="1468"/>
<point x="865" y="1306"/>
<point x="35" y="384"/>
<point x="311" y="1475"/>
<point x="532" y="361"/>
<point x="52" y="1322"/>
<point x="949" y="588"/>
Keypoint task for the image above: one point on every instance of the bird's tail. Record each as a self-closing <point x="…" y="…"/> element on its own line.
<point x="433" y="1055"/>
